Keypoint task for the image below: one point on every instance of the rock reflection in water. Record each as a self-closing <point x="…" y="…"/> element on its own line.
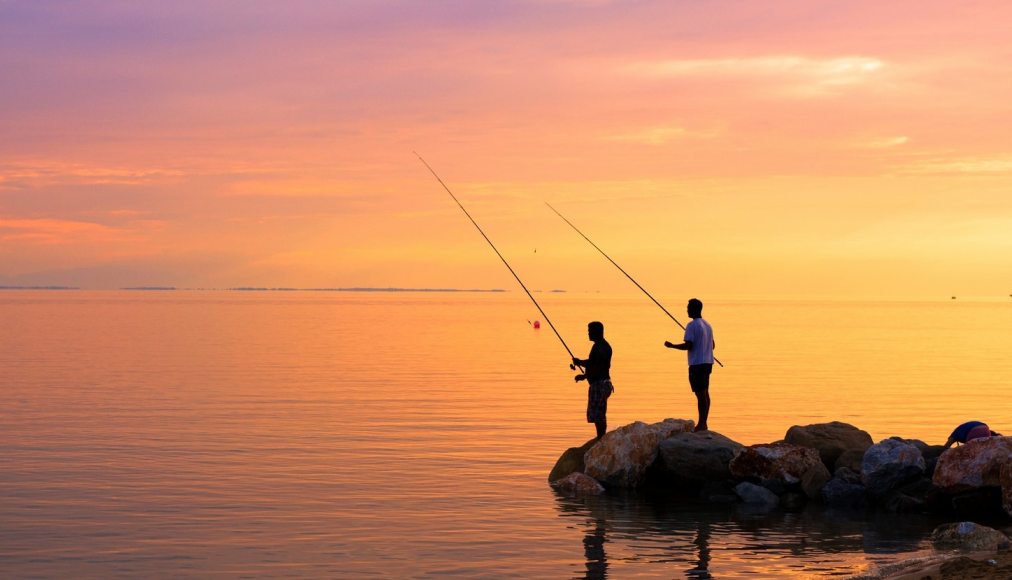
<point x="627" y="534"/>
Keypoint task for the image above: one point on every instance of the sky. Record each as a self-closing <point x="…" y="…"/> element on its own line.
<point x="713" y="148"/>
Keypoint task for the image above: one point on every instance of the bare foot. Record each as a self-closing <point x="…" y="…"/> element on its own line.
<point x="700" y="428"/>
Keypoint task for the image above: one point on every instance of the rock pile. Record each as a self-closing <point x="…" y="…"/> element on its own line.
<point x="833" y="463"/>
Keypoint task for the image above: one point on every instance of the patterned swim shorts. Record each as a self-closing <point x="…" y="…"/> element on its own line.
<point x="597" y="400"/>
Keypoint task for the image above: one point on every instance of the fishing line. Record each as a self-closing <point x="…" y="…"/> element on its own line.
<point x="482" y="232"/>
<point x="623" y="271"/>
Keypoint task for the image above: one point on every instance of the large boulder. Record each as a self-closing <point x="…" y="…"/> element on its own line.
<point x="756" y="495"/>
<point x="968" y="536"/>
<point x="831" y="440"/>
<point x="571" y="461"/>
<point x="577" y="483"/>
<point x="839" y="493"/>
<point x="695" y="458"/>
<point x="781" y="464"/>
<point x="974" y="465"/>
<point x="1006" y="488"/>
<point x="889" y="464"/>
<point x="622" y="456"/>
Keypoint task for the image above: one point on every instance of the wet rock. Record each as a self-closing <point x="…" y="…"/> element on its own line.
<point x="968" y="536"/>
<point x="696" y="458"/>
<point x="840" y="493"/>
<point x="983" y="502"/>
<point x="974" y="465"/>
<point x="848" y="475"/>
<point x="901" y="503"/>
<point x="571" y="461"/>
<point x="578" y="484"/>
<point x="621" y="458"/>
<point x="718" y="492"/>
<point x="783" y="463"/>
<point x="756" y="495"/>
<point x="1006" y="488"/>
<point x="831" y="440"/>
<point x="851" y="460"/>
<point x="889" y="464"/>
<point x="813" y="480"/>
<point x="793" y="501"/>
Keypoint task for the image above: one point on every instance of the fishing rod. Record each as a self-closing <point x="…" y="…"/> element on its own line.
<point x="508" y="267"/>
<point x="671" y="316"/>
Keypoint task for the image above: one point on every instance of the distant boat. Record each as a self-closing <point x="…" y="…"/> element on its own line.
<point x="953" y="297"/>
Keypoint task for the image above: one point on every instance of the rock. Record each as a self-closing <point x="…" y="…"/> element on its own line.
<point x="889" y="464"/>
<point x="848" y="475"/>
<point x="622" y="456"/>
<point x="1006" y="488"/>
<point x="901" y="503"/>
<point x="831" y="440"/>
<point x="669" y="427"/>
<point x="793" y="501"/>
<point x="718" y="492"/>
<point x="571" y="461"/>
<point x="984" y="502"/>
<point x="577" y="483"/>
<point x="974" y="465"/>
<point x="696" y="458"/>
<point x="850" y="459"/>
<point x="756" y="495"/>
<point x="777" y="462"/>
<point x="968" y="536"/>
<point x="813" y="480"/>
<point x="840" y="493"/>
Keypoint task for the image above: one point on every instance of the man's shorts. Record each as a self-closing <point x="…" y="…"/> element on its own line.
<point x="699" y="377"/>
<point x="597" y="400"/>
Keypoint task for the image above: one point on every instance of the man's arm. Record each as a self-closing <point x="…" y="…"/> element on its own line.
<point x="687" y="345"/>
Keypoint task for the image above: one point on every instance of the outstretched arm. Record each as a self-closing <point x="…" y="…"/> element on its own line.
<point x="687" y="345"/>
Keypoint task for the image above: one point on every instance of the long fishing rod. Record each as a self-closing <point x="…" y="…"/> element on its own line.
<point x="508" y="267"/>
<point x="671" y="316"/>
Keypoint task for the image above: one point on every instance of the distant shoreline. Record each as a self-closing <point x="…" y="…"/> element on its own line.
<point x="267" y="289"/>
<point x="39" y="288"/>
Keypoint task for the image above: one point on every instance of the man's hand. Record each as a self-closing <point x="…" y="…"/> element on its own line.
<point x="579" y="378"/>
<point x="668" y="344"/>
<point x="577" y="362"/>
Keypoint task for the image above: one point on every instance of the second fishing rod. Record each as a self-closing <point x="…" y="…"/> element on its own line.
<point x="631" y="279"/>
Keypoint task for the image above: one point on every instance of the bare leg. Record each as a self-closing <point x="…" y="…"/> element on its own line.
<point x="703" y="404"/>
<point x="602" y="427"/>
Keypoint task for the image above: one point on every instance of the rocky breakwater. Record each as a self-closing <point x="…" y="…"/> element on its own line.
<point x="835" y="464"/>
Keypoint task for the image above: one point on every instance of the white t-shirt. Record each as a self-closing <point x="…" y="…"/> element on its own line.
<point x="699" y="333"/>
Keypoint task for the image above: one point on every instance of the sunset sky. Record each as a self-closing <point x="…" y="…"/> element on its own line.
<point x="712" y="148"/>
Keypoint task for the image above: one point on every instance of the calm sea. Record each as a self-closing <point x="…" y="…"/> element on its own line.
<point x="352" y="435"/>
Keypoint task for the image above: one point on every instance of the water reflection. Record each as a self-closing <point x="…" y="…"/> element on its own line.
<point x="593" y="551"/>
<point x="628" y="534"/>
<point x="702" y="543"/>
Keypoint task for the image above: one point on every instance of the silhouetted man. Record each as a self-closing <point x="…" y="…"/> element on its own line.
<point x="699" y="343"/>
<point x="597" y="367"/>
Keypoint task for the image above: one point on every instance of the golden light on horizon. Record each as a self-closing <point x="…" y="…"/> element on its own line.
<point x="827" y="153"/>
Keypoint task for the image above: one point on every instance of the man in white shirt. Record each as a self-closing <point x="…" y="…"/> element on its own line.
<point x="699" y="343"/>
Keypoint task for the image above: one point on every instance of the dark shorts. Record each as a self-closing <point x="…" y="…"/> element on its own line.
<point x="699" y="377"/>
<point x="597" y="400"/>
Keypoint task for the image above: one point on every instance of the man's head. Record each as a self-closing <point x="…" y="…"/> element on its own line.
<point x="695" y="308"/>
<point x="595" y="330"/>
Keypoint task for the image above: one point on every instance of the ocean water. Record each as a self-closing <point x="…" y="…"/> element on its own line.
<point x="409" y="435"/>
